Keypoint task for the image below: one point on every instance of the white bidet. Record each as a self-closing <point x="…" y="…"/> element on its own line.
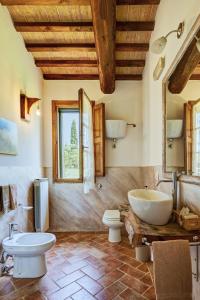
<point x="28" y="251"/>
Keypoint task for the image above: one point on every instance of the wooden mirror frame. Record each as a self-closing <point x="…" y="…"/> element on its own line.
<point x="186" y="43"/>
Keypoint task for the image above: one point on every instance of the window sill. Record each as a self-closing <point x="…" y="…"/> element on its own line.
<point x="62" y="180"/>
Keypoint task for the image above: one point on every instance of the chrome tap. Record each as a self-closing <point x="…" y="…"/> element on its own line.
<point x="174" y="180"/>
<point x="11" y="230"/>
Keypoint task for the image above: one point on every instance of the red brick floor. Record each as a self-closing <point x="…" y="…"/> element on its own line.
<point x="84" y="266"/>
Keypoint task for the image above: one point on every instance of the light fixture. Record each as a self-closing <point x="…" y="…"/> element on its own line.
<point x="198" y="43"/>
<point x="25" y="107"/>
<point x="159" y="45"/>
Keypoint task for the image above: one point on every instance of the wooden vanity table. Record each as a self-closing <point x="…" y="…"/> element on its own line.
<point x="137" y="230"/>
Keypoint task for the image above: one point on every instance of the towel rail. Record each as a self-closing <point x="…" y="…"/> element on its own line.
<point x="195" y="243"/>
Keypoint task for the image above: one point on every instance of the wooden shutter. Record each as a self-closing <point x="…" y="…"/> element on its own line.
<point x="188" y="137"/>
<point x="99" y="138"/>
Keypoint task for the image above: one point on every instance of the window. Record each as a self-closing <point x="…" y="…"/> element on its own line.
<point x="67" y="141"/>
<point x="78" y="140"/>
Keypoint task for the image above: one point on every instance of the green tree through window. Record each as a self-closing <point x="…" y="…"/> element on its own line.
<point x="71" y="154"/>
<point x="74" y="138"/>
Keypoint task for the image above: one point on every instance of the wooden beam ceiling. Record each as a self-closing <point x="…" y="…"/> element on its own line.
<point x="79" y="26"/>
<point x="75" y="2"/>
<point x="71" y="54"/>
<point x="195" y="77"/>
<point x="85" y="63"/>
<point x="89" y="77"/>
<point x="104" y="24"/>
<point x="89" y="47"/>
<point x="52" y="47"/>
<point x="185" y="68"/>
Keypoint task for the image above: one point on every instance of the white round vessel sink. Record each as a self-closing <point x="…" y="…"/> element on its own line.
<point x="152" y="207"/>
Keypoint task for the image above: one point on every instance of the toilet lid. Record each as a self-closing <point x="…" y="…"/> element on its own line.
<point x="113" y="215"/>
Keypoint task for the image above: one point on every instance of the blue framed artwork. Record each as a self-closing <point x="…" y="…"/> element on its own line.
<point x="8" y="137"/>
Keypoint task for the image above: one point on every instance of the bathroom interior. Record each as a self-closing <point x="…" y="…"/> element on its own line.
<point x="100" y="149"/>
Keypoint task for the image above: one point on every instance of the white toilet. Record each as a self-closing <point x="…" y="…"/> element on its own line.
<point x="28" y="251"/>
<point x="111" y="218"/>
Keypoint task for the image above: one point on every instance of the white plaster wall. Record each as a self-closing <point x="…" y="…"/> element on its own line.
<point x="18" y="73"/>
<point x="125" y="103"/>
<point x="169" y="14"/>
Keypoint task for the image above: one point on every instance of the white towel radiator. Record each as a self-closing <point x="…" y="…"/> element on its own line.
<point x="41" y="204"/>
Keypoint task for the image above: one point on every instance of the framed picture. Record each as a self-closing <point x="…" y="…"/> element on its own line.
<point x="8" y="137"/>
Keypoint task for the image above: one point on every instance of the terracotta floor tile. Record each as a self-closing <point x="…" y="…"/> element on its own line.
<point x="82" y="295"/>
<point x="129" y="294"/>
<point x="69" y="278"/>
<point x="134" y="284"/>
<point x="56" y="275"/>
<point x="150" y="294"/>
<point x="90" y="285"/>
<point x="82" y="266"/>
<point x="70" y="268"/>
<point x="6" y="286"/>
<point x="36" y="296"/>
<point x="47" y="286"/>
<point x="108" y="279"/>
<point x="19" y="283"/>
<point x="97" y="253"/>
<point x="129" y="261"/>
<point x="65" y="292"/>
<point x="92" y="272"/>
<point x="147" y="279"/>
<point x="143" y="267"/>
<point x="112" y="291"/>
<point x="95" y="262"/>
<point x="76" y="258"/>
<point x="132" y="271"/>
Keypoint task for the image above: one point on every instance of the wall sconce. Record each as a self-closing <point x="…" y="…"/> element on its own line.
<point x="159" y="45"/>
<point x="116" y="129"/>
<point x="25" y="106"/>
<point x="159" y="68"/>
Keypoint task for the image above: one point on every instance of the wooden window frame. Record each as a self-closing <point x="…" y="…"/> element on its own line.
<point x="56" y="104"/>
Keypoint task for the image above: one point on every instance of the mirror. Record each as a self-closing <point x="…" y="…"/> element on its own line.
<point x="182" y="131"/>
<point x="182" y="118"/>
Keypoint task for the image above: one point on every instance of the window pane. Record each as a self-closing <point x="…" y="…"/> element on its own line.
<point x="69" y="143"/>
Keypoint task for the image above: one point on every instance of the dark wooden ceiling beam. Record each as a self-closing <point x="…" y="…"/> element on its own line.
<point x="79" y="26"/>
<point x="104" y="24"/>
<point x="75" y="2"/>
<point x="85" y="63"/>
<point x="136" y="26"/>
<point x="138" y="2"/>
<point x="89" y="76"/>
<point x="52" y="47"/>
<point x="137" y="47"/>
<point x="195" y="77"/>
<point x="58" y="47"/>
<point x="185" y="68"/>
<point x="53" y="26"/>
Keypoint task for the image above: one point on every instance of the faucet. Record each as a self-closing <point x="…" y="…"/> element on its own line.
<point x="174" y="180"/>
<point x="11" y="230"/>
